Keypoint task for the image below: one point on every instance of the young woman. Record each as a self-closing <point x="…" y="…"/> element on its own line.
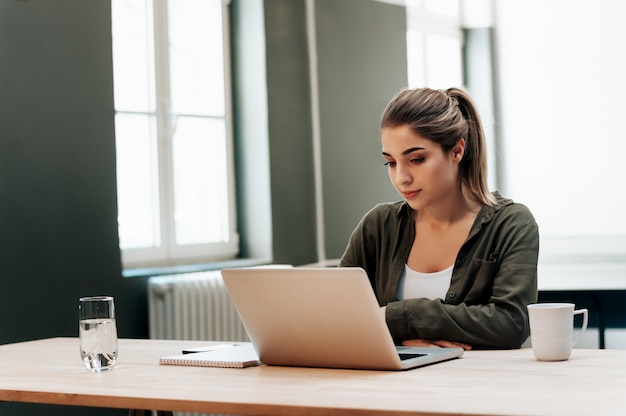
<point x="452" y="264"/>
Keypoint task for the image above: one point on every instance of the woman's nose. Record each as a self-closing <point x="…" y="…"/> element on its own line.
<point x="403" y="176"/>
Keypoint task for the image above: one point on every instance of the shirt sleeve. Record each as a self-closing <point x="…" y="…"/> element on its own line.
<point x="360" y="252"/>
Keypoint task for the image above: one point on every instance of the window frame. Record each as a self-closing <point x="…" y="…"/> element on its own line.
<point x="167" y="252"/>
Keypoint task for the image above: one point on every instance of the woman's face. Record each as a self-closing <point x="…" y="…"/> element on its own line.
<point x="419" y="169"/>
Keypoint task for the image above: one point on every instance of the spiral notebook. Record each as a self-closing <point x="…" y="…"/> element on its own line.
<point x="238" y="356"/>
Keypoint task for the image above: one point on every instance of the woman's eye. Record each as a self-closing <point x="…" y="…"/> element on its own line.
<point x="417" y="160"/>
<point x="390" y="164"/>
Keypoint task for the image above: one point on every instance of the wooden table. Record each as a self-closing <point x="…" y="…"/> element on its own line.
<point x="480" y="383"/>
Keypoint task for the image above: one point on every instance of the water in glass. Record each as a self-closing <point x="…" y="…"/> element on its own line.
<point x="98" y="343"/>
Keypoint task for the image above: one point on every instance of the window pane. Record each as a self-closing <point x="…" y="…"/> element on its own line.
<point x="200" y="181"/>
<point x="434" y="44"/>
<point x="197" y="72"/>
<point x="562" y="119"/>
<point x="449" y="8"/>
<point x="132" y="57"/>
<point x="443" y="59"/>
<point x="415" y="59"/>
<point x="137" y="192"/>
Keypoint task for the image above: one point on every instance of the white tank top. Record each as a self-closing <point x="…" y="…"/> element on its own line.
<point x="424" y="285"/>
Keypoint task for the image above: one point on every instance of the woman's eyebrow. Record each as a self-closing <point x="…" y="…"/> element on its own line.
<point x="407" y="151"/>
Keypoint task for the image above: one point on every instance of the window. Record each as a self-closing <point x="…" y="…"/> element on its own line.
<point x="434" y="43"/>
<point x="561" y="89"/>
<point x="173" y="131"/>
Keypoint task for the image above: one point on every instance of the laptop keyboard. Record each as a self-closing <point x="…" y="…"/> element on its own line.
<point x="408" y="356"/>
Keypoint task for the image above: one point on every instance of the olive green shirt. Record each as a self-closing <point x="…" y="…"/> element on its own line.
<point x="493" y="280"/>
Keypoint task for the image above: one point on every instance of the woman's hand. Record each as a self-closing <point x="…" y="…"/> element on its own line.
<point x="430" y="343"/>
<point x="435" y="343"/>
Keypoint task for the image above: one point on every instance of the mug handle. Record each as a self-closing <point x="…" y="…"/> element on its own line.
<point x="584" y="326"/>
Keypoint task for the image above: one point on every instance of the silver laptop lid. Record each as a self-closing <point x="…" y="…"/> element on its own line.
<point x="318" y="317"/>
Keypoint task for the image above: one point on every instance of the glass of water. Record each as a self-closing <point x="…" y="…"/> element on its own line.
<point x="97" y="332"/>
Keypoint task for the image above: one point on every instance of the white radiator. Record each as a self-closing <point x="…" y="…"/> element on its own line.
<point x="193" y="306"/>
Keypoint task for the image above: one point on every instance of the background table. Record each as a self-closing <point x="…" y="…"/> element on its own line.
<point x="586" y="279"/>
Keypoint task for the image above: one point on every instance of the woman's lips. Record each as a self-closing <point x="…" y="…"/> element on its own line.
<point x="410" y="194"/>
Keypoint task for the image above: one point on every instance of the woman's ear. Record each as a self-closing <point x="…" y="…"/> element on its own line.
<point x="458" y="150"/>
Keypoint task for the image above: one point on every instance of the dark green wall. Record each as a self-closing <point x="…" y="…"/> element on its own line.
<point x="272" y="131"/>
<point x="58" y="210"/>
<point x="361" y="63"/>
<point x="58" y="213"/>
<point x="289" y="122"/>
<point x="251" y="135"/>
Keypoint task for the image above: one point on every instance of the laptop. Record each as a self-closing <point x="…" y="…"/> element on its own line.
<point x="320" y="317"/>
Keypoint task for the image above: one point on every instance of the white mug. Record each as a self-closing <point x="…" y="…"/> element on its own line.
<point x="552" y="329"/>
